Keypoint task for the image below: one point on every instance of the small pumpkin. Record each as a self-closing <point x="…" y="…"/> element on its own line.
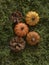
<point x="33" y="38"/>
<point x="21" y="29"/>
<point x="32" y="18"/>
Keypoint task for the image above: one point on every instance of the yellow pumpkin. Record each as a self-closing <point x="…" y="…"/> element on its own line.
<point x="32" y="18"/>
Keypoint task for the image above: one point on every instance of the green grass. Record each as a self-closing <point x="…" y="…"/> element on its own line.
<point x="38" y="55"/>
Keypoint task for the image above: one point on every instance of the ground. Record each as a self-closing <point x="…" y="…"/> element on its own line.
<point x="35" y="55"/>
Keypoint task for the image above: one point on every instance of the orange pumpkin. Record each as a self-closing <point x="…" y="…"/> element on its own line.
<point x="21" y="29"/>
<point x="33" y="38"/>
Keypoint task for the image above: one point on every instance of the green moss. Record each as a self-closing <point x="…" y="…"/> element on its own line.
<point x="38" y="55"/>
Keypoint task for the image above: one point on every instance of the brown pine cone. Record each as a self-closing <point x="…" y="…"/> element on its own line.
<point x="16" y="16"/>
<point x="17" y="44"/>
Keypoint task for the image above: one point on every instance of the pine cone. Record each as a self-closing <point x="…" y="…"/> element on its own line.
<point x="16" y="16"/>
<point x="17" y="44"/>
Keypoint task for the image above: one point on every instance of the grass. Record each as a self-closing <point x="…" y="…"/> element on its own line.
<point x="38" y="55"/>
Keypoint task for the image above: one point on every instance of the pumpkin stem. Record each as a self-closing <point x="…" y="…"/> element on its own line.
<point x="33" y="39"/>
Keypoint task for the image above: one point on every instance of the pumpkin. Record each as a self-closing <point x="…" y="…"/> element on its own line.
<point x="32" y="18"/>
<point x="21" y="29"/>
<point x="33" y="38"/>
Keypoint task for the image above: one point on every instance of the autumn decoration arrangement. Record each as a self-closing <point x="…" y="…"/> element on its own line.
<point x="22" y="32"/>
